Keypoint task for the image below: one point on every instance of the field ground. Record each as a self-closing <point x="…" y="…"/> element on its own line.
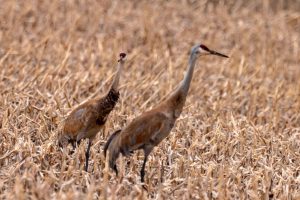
<point x="237" y="138"/>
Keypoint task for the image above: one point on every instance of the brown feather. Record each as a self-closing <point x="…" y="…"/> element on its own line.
<point x="87" y="119"/>
<point x="149" y="129"/>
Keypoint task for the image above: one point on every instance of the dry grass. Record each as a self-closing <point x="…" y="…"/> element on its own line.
<point x="238" y="137"/>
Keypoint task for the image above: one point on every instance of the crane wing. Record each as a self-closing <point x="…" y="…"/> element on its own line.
<point x="149" y="128"/>
<point x="77" y="121"/>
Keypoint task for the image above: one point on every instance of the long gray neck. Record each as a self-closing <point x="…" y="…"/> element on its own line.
<point x="184" y="85"/>
<point x="115" y="83"/>
<point x="176" y="100"/>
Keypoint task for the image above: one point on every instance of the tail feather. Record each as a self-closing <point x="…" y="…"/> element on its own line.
<point x="113" y="135"/>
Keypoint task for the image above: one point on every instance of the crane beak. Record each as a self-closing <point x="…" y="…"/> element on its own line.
<point x="121" y="59"/>
<point x="217" y="54"/>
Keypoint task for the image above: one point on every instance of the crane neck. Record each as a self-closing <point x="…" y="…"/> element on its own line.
<point x="115" y="83"/>
<point x="184" y="85"/>
<point x="176" y="99"/>
<point x="107" y="102"/>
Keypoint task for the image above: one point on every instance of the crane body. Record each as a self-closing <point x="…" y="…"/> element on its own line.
<point x="150" y="128"/>
<point x="89" y="118"/>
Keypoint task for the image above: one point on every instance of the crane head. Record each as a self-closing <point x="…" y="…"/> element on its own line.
<point x="201" y="49"/>
<point x="122" y="57"/>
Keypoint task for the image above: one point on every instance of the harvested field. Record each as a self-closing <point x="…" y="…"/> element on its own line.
<point x="237" y="138"/>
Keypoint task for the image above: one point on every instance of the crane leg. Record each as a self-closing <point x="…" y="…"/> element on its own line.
<point x="73" y="142"/>
<point x="74" y="145"/>
<point x="87" y="155"/>
<point x="143" y="169"/>
<point x="147" y="150"/>
<point x="78" y="143"/>
<point x="115" y="169"/>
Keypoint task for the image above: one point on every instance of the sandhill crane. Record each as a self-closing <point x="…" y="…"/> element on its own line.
<point x="89" y="118"/>
<point x="149" y="129"/>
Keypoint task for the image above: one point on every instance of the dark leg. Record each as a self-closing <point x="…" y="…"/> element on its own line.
<point x="115" y="169"/>
<point x="143" y="167"/>
<point x="78" y="142"/>
<point x="87" y="155"/>
<point x="73" y="142"/>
